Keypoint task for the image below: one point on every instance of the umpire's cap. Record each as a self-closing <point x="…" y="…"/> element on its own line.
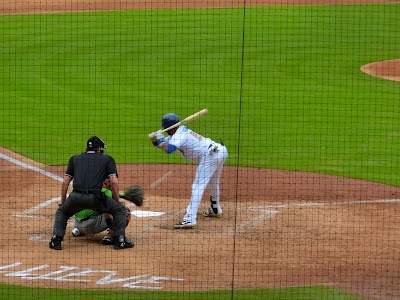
<point x="94" y="142"/>
<point x="169" y="120"/>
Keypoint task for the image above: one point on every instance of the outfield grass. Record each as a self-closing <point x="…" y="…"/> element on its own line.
<point x="282" y="84"/>
<point x="304" y="293"/>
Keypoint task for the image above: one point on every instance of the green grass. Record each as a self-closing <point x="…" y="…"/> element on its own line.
<point x="304" y="293"/>
<point x="282" y="84"/>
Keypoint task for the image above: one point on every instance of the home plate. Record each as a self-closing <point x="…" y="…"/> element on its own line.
<point x="145" y="213"/>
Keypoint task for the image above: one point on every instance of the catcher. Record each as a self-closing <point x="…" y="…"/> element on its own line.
<point x="88" y="221"/>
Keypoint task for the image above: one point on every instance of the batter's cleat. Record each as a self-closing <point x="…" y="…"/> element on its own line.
<point x="76" y="232"/>
<point x="55" y="243"/>
<point x="123" y="243"/>
<point x="185" y="225"/>
<point x="108" y="240"/>
<point x="210" y="213"/>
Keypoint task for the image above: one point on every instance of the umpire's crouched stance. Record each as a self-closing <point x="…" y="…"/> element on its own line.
<point x="88" y="172"/>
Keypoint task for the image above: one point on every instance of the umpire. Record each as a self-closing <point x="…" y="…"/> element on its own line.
<point x="88" y="172"/>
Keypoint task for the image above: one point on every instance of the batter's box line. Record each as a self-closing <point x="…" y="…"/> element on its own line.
<point x="314" y="204"/>
<point x="29" y="213"/>
<point x="268" y="211"/>
<point x="264" y="214"/>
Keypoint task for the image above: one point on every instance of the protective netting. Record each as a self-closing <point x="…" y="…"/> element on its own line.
<point x="287" y="188"/>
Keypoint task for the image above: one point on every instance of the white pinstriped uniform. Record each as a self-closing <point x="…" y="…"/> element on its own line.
<point x="210" y="157"/>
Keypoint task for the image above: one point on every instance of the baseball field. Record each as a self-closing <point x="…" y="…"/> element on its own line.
<point x="304" y="94"/>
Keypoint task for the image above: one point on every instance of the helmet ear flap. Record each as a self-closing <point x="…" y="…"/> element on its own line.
<point x="103" y="147"/>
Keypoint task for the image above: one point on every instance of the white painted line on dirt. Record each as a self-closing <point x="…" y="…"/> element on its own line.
<point x="161" y="179"/>
<point x="26" y="166"/>
<point x="79" y="274"/>
<point x="265" y="215"/>
<point x="267" y="212"/>
<point x="39" y="238"/>
<point x="41" y="205"/>
<point x="308" y="204"/>
<point x="144" y="213"/>
<point x="27" y="213"/>
<point x="9" y="266"/>
<point x="30" y="216"/>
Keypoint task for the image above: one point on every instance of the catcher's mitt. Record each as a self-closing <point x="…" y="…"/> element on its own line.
<point x="133" y="194"/>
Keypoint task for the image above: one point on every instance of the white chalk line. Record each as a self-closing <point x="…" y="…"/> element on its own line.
<point x="161" y="179"/>
<point x="265" y="214"/>
<point x="267" y="211"/>
<point x="33" y="168"/>
<point x="310" y="204"/>
<point x="28" y="213"/>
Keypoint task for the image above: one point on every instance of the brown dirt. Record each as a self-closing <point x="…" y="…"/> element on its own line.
<point x="388" y="69"/>
<point x="279" y="228"/>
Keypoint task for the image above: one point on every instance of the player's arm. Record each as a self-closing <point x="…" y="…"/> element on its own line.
<point x="168" y="148"/>
<point x="114" y="186"/>
<point x="158" y="140"/>
<point x="64" y="188"/>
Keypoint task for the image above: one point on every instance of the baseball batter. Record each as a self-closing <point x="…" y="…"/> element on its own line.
<point x="210" y="157"/>
<point x="88" y="171"/>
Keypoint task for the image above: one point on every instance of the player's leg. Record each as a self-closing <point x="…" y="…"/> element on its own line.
<point x="63" y="213"/>
<point x="108" y="239"/>
<point x="204" y="171"/>
<point x="215" y="209"/>
<point x="118" y="211"/>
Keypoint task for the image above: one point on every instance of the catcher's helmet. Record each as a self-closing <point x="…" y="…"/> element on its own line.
<point x="169" y="120"/>
<point x="94" y="142"/>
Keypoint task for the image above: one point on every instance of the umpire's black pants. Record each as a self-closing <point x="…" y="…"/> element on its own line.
<point x="77" y="202"/>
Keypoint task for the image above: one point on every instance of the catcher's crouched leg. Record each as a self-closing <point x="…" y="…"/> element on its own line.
<point x="119" y="225"/>
<point x="109" y="239"/>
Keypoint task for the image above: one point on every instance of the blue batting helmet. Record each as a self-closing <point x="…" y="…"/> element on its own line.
<point x="169" y="120"/>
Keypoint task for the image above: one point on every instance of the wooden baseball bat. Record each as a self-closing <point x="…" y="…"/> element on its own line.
<point x="188" y="119"/>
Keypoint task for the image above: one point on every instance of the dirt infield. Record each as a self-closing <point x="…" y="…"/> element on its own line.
<point x="279" y="228"/>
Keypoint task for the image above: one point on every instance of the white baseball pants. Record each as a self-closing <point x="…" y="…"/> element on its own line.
<point x="209" y="173"/>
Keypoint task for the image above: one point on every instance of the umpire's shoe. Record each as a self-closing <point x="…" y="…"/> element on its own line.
<point x="122" y="243"/>
<point x="55" y="242"/>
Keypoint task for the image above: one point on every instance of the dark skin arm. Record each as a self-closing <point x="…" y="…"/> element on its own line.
<point x="64" y="188"/>
<point x="115" y="187"/>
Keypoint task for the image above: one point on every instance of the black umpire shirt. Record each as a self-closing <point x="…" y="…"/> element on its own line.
<point x="90" y="169"/>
